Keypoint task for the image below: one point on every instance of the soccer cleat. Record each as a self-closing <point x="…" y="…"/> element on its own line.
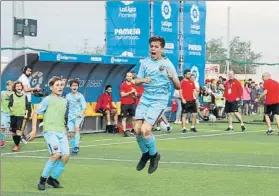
<point x="193" y="129"/>
<point x="76" y="149"/>
<point x="53" y="182"/>
<point x="184" y="130"/>
<point x="243" y="128"/>
<point x="41" y="186"/>
<point x="126" y="133"/>
<point x="16" y="148"/>
<point x="3" y="144"/>
<point x="23" y="140"/>
<point x="154" y="161"/>
<point x="169" y="129"/>
<point x="143" y="160"/>
<point x="269" y="132"/>
<point x="229" y="129"/>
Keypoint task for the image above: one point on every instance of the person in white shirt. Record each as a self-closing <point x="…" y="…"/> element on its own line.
<point x="25" y="79"/>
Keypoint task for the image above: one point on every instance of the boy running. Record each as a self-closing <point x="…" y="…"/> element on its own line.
<point x="77" y="106"/>
<point x="18" y="105"/>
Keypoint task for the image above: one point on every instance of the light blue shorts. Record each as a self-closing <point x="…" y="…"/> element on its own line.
<point x="74" y="122"/>
<point x="57" y="142"/>
<point x="150" y="112"/>
<point x="5" y="120"/>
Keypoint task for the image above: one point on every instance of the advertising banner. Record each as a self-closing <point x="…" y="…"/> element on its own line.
<point x="127" y="28"/>
<point x="165" y="24"/>
<point x="194" y="16"/>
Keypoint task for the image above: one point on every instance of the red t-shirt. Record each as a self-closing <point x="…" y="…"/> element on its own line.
<point x="233" y="90"/>
<point x="140" y="91"/>
<point x="188" y="87"/>
<point x="272" y="87"/>
<point x="104" y="102"/>
<point x="125" y="87"/>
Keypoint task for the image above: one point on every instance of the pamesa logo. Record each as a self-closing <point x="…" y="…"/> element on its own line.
<point x="166" y="10"/>
<point x="195" y="13"/>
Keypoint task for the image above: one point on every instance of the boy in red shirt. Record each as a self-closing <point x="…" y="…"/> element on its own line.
<point x="188" y="98"/>
<point x="271" y="94"/>
<point x="233" y="93"/>
<point x="128" y="94"/>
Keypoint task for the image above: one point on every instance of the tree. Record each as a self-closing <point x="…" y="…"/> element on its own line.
<point x="240" y="52"/>
<point x="215" y="50"/>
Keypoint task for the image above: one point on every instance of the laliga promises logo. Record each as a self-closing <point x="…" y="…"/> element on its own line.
<point x="195" y="71"/>
<point x="36" y="78"/>
<point x="166" y="10"/>
<point x="58" y="57"/>
<point x="195" y="13"/>
<point x="112" y="60"/>
<point x="127" y="2"/>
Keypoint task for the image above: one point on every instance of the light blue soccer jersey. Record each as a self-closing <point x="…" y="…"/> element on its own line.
<point x="159" y="89"/>
<point x="76" y="104"/>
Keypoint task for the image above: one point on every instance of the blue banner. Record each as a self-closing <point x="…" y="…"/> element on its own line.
<point x="165" y="24"/>
<point x="194" y="17"/>
<point x="127" y="28"/>
<point x="79" y="58"/>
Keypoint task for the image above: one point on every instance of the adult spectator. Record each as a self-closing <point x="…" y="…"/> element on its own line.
<point x="188" y="98"/>
<point x="271" y="94"/>
<point x="128" y="94"/>
<point x="177" y="98"/>
<point x="107" y="107"/>
<point x="25" y="80"/>
<point x="246" y="98"/>
<point x="253" y="95"/>
<point x="233" y="92"/>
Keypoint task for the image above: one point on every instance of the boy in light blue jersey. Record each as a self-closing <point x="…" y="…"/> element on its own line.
<point x="54" y="108"/>
<point x="157" y="74"/>
<point x="77" y="106"/>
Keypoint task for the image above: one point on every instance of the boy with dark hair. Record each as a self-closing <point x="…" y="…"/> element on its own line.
<point x="157" y="74"/>
<point x="18" y="104"/>
<point x="5" y="112"/>
<point x="106" y="106"/>
<point x="54" y="108"/>
<point x="77" y="106"/>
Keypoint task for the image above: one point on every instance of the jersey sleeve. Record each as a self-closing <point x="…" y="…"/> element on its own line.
<point x="173" y="70"/>
<point x="43" y="106"/>
<point x="83" y="102"/>
<point x="141" y="71"/>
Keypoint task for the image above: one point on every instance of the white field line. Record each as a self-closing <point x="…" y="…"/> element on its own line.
<point x="130" y="142"/>
<point x="100" y="140"/>
<point x="161" y="162"/>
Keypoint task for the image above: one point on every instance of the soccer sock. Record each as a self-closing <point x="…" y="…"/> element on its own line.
<point x="158" y="128"/>
<point x="17" y="140"/>
<point x="72" y="142"/>
<point x="192" y="126"/>
<point x="48" y="167"/>
<point x="58" y="169"/>
<point x="77" y="139"/>
<point x="14" y="138"/>
<point x="230" y="126"/>
<point x="151" y="145"/>
<point x="3" y="136"/>
<point x="269" y="128"/>
<point x="141" y="144"/>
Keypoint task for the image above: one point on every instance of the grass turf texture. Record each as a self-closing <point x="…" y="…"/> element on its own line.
<point x="211" y="162"/>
